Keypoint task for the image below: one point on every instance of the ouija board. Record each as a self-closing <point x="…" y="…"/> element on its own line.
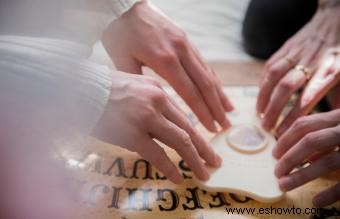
<point x="118" y="184"/>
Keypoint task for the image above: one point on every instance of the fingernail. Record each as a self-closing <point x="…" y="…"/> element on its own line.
<point x="286" y="183"/>
<point x="218" y="160"/>
<point x="275" y="152"/>
<point x="231" y="108"/>
<point x="277" y="171"/>
<point x="265" y="124"/>
<point x="214" y="127"/>
<point x="258" y="109"/>
<point x="260" y="115"/>
<point x="205" y="175"/>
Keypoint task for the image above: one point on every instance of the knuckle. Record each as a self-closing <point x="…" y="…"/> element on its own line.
<point x="286" y="85"/>
<point x="308" y="139"/>
<point x="311" y="140"/>
<point x="148" y="114"/>
<point x="272" y="70"/>
<point x="168" y="58"/>
<point x="179" y="39"/>
<point x="267" y="66"/>
<point x="158" y="97"/>
<point x="208" y="84"/>
<point x="185" y="138"/>
<point x="286" y="161"/>
<point x="301" y="124"/>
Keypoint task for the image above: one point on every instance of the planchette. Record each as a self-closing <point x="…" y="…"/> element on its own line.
<point x="248" y="164"/>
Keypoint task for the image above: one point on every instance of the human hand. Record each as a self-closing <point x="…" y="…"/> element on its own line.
<point x="138" y="112"/>
<point x="315" y="136"/>
<point x="145" y="36"/>
<point x="310" y="47"/>
<point x="334" y="97"/>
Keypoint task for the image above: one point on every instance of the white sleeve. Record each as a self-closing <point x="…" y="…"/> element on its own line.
<point x="119" y="7"/>
<point x="41" y="87"/>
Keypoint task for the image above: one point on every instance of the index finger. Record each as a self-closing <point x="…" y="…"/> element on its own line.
<point x="313" y="142"/>
<point x="174" y="73"/>
<point x="156" y="155"/>
<point x="228" y="106"/>
<point x="206" y="83"/>
<point x="273" y="74"/>
<point x="174" y="114"/>
<point x="176" y="138"/>
<point x="302" y="127"/>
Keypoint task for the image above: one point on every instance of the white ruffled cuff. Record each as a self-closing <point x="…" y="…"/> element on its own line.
<point x="119" y="7"/>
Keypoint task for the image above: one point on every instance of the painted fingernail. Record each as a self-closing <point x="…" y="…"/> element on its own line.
<point x="286" y="183"/>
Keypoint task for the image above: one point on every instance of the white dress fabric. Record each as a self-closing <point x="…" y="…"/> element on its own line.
<point x="46" y="79"/>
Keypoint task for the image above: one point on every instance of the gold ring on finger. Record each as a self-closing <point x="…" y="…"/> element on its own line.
<point x="306" y="71"/>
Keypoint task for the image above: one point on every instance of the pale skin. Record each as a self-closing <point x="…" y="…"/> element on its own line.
<point x="312" y="138"/>
<point x="334" y="97"/>
<point x="153" y="40"/>
<point x="301" y="137"/>
<point x="138" y="106"/>
<point x="144" y="36"/>
<point x="137" y="114"/>
<point x="314" y="46"/>
<point x="140" y="112"/>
